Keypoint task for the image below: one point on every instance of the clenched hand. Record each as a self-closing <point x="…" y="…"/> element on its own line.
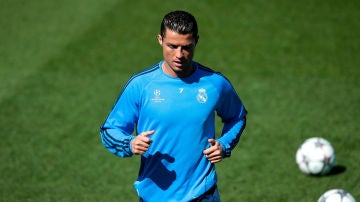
<point x="214" y="153"/>
<point x="141" y="143"/>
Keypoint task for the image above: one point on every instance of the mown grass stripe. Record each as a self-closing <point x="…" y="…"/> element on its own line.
<point x="49" y="123"/>
<point x="31" y="33"/>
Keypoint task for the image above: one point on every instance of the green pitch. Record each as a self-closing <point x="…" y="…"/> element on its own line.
<point x="295" y="64"/>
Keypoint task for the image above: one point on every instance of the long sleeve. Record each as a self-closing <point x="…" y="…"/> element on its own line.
<point x="116" y="132"/>
<point x="233" y="114"/>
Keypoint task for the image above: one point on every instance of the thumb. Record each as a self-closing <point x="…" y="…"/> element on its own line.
<point x="212" y="142"/>
<point x="147" y="133"/>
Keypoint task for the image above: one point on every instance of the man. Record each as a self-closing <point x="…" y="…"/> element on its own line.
<point x="172" y="106"/>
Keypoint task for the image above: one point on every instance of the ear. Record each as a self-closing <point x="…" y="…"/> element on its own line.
<point x="160" y="39"/>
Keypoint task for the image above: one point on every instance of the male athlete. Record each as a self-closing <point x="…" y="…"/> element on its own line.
<point x="172" y="105"/>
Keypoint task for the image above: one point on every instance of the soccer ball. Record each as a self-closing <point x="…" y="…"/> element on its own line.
<point x="316" y="156"/>
<point x="336" y="195"/>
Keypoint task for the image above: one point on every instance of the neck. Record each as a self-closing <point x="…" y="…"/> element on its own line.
<point x="182" y="73"/>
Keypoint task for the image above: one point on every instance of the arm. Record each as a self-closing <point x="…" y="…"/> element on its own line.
<point x="116" y="132"/>
<point x="233" y="115"/>
<point x="231" y="135"/>
<point x="116" y="142"/>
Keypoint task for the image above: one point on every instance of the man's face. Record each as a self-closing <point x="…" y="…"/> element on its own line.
<point x="178" y="52"/>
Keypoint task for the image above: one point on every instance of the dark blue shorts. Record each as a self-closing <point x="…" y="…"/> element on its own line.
<point x="212" y="195"/>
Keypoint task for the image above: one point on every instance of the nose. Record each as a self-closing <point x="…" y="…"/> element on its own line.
<point x="179" y="52"/>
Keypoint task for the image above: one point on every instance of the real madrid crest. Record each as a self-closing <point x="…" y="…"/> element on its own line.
<point x="202" y="96"/>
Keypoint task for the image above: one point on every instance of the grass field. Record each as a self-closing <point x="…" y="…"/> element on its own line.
<point x="295" y="64"/>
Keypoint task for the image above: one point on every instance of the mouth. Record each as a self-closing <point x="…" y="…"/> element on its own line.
<point x="178" y="63"/>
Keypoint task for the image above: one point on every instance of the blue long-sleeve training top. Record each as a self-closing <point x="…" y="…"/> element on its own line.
<point x="182" y="112"/>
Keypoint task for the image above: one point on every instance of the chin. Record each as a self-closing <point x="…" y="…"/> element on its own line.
<point x="178" y="68"/>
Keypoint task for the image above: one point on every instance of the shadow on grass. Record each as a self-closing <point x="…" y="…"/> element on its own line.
<point x="337" y="169"/>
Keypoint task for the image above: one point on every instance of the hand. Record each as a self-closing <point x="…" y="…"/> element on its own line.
<point x="141" y="143"/>
<point x="214" y="153"/>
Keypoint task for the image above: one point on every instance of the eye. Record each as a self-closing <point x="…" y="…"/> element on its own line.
<point x="189" y="47"/>
<point x="171" y="46"/>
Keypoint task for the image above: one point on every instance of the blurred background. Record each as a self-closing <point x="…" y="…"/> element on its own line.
<point x="295" y="65"/>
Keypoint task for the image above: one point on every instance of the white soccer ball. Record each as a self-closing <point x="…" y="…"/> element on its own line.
<point x="316" y="156"/>
<point x="336" y="195"/>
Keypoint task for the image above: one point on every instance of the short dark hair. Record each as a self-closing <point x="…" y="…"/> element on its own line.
<point x="180" y="22"/>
